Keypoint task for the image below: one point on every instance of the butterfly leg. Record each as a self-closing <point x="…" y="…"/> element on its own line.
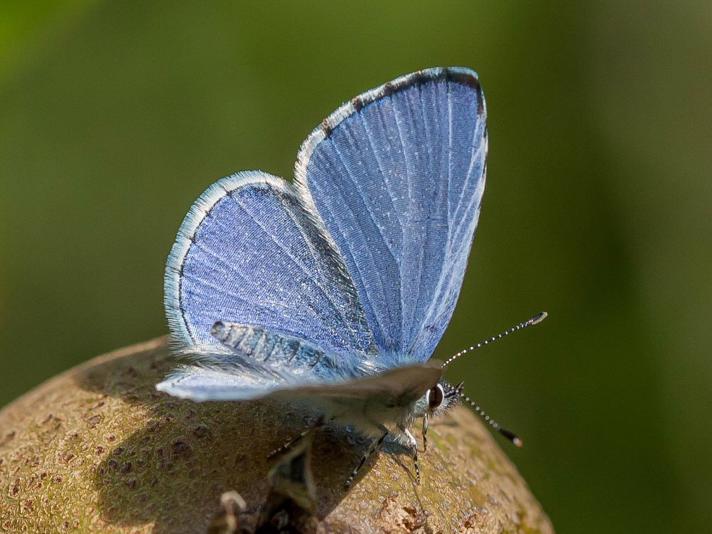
<point x="426" y="424"/>
<point x="373" y="448"/>
<point x="288" y="445"/>
<point x="413" y="444"/>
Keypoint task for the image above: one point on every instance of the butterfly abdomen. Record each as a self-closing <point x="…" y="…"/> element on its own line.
<point x="272" y="349"/>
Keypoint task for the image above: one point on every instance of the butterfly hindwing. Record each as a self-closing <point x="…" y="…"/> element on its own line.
<point x="397" y="176"/>
<point x="244" y="374"/>
<point x="248" y="252"/>
<point x="216" y="377"/>
<point x="399" y="386"/>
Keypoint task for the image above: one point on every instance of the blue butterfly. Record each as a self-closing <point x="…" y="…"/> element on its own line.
<point x="335" y="290"/>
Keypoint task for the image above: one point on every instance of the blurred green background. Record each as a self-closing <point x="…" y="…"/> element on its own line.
<point x="114" y="116"/>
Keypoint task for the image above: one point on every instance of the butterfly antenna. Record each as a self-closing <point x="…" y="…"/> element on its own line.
<point x="539" y="317"/>
<point x="511" y="436"/>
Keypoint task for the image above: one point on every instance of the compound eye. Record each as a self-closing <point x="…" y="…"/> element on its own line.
<point x="435" y="396"/>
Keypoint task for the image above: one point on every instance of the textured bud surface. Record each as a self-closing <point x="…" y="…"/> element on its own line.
<point x="97" y="449"/>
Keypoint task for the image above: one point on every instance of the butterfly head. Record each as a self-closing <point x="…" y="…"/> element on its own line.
<point x="439" y="399"/>
<point x="442" y="396"/>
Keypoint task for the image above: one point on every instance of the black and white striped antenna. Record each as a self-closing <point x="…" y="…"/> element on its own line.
<point x="511" y="436"/>
<point x="539" y="317"/>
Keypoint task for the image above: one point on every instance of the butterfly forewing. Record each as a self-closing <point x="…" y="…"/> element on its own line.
<point x="397" y="175"/>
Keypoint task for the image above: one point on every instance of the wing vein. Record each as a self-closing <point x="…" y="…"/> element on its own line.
<point x="410" y="200"/>
<point x="288" y="255"/>
<point x="353" y="336"/>
<point x="369" y="137"/>
<point x="365" y="295"/>
<point x="357" y="187"/>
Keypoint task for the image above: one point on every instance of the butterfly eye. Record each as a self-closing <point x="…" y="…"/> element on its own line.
<point x="435" y="396"/>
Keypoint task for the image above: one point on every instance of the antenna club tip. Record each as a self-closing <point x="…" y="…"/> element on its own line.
<point x="538" y="318"/>
<point x="511" y="436"/>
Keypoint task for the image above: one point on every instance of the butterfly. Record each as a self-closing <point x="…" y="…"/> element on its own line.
<point x="334" y="290"/>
